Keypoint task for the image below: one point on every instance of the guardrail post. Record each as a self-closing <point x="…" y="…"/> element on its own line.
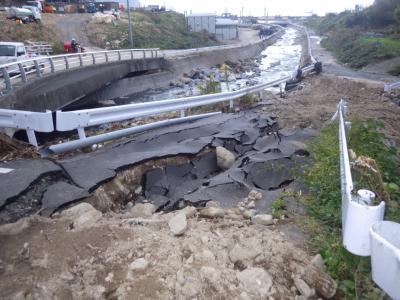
<point x="93" y="59"/>
<point x="106" y="56"/>
<point x="6" y="79"/>
<point x="156" y="53"/>
<point x="51" y="64"/>
<point x="144" y="54"/>
<point x="230" y="104"/>
<point x="152" y="54"/>
<point x="66" y="62"/>
<point x="80" y="60"/>
<point x="182" y="113"/>
<point x="22" y="71"/>
<point x="131" y="54"/>
<point x="81" y="133"/>
<point x="119" y="55"/>
<point x="32" y="137"/>
<point x="38" y="73"/>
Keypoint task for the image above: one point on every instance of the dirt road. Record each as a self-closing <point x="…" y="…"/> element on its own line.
<point x="314" y="105"/>
<point x="332" y="67"/>
<point x="71" y="26"/>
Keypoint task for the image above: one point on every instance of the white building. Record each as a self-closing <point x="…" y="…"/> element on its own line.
<point x="223" y="28"/>
<point x="199" y="22"/>
<point x="226" y="29"/>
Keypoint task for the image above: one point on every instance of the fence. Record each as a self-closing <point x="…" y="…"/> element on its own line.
<point x="391" y="86"/>
<point x="363" y="230"/>
<point x="21" y="71"/>
<point x="41" y="48"/>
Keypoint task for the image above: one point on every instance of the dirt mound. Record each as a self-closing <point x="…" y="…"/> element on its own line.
<point x="84" y="255"/>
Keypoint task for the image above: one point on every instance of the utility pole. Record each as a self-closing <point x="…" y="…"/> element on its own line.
<point x="129" y="23"/>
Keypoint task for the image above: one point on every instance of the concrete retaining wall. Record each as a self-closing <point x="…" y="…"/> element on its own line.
<point x="107" y="81"/>
<point x="174" y="68"/>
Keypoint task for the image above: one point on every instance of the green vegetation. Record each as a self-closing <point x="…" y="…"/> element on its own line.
<point x="395" y="71"/>
<point x="362" y="36"/>
<point x="278" y="208"/>
<point x="324" y="204"/>
<point x="165" y="30"/>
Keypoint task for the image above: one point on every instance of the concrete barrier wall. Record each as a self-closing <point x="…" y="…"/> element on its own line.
<point x="174" y="68"/>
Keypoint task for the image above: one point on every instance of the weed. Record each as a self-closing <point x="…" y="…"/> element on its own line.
<point x="324" y="204"/>
<point x="278" y="208"/>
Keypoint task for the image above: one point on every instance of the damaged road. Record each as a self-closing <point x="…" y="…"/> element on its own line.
<point x="265" y="160"/>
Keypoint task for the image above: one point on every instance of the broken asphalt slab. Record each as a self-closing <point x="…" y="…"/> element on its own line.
<point x="252" y="137"/>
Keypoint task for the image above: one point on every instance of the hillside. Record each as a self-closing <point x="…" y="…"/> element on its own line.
<point x="11" y="31"/>
<point x="166" y="30"/>
<point x="364" y="35"/>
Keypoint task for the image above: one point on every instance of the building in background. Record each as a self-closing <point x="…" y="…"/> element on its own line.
<point x="222" y="28"/>
<point x="200" y="22"/>
<point x="226" y="29"/>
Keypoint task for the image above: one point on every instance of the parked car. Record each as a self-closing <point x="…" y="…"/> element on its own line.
<point x="37" y="15"/>
<point x="12" y="52"/>
<point x="16" y="13"/>
<point x="37" y="4"/>
<point x="91" y="8"/>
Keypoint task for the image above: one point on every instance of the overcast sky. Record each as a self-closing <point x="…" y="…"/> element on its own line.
<point x="256" y="7"/>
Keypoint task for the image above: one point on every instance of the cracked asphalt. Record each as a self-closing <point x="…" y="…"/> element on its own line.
<point x="265" y="160"/>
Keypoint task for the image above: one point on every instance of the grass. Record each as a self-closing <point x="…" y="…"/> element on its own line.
<point x="166" y="30"/>
<point x="395" y="71"/>
<point x="324" y="203"/>
<point x="390" y="46"/>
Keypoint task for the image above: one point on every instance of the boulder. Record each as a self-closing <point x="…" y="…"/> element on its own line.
<point x="257" y="281"/>
<point x="139" y="264"/>
<point x="83" y="215"/>
<point x="178" y="224"/>
<point x="212" y="212"/>
<point x="142" y="210"/>
<point x="241" y="253"/>
<point x="263" y="219"/>
<point x="225" y="158"/>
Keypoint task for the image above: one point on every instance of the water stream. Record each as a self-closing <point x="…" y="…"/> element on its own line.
<point x="276" y="61"/>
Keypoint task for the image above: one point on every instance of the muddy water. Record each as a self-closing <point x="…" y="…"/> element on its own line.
<point x="276" y="61"/>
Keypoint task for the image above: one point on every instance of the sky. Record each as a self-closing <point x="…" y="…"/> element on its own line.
<point x="256" y="7"/>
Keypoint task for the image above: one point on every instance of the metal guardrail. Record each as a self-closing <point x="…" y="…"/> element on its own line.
<point x="358" y="211"/>
<point x="391" y="86"/>
<point x="80" y="119"/>
<point x="363" y="229"/>
<point x="27" y="120"/>
<point x="22" y="71"/>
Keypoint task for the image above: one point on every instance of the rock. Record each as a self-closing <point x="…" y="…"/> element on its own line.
<point x="212" y="204"/>
<point x="318" y="262"/>
<point x="251" y="204"/>
<point x="142" y="210"/>
<point x="263" y="219"/>
<point x="178" y="224"/>
<point x="189" y="211"/>
<point x="254" y="195"/>
<point x="67" y="276"/>
<point x="320" y="281"/>
<point x="248" y="214"/>
<point x="240" y="253"/>
<point x="303" y="288"/>
<point x="83" y="215"/>
<point x="139" y="264"/>
<point x="210" y="275"/>
<point x="212" y="212"/>
<point x="138" y="190"/>
<point x="185" y="80"/>
<point x="225" y="158"/>
<point x="257" y="281"/>
<point x="107" y="102"/>
<point x="352" y="155"/>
